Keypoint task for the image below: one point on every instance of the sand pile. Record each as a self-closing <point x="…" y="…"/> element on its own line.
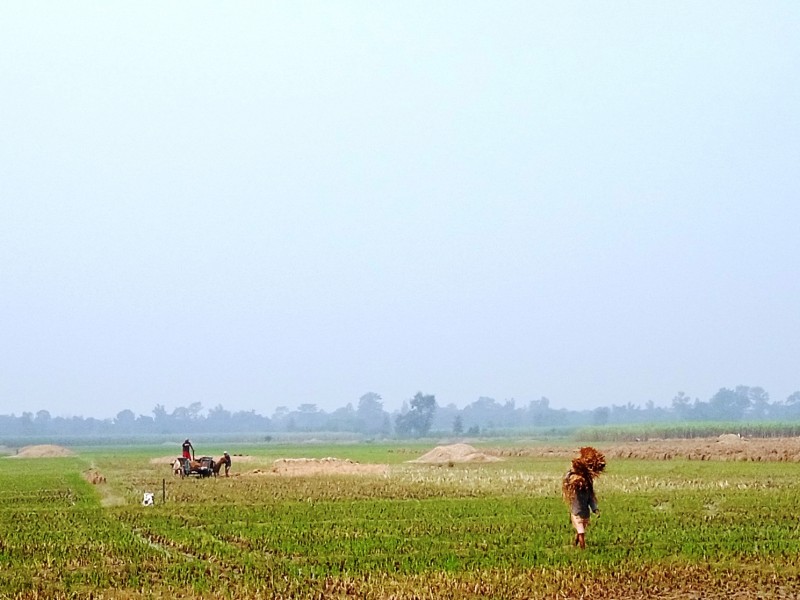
<point x="325" y="466"/>
<point x="43" y="451"/>
<point x="454" y="453"/>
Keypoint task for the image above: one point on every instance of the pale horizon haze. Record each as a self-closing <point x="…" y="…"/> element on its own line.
<point x="263" y="204"/>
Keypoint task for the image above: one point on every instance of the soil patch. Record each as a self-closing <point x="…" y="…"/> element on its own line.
<point x="293" y="467"/>
<point x="43" y="451"/>
<point x="455" y="453"/>
<point x="168" y="460"/>
<point x="163" y="460"/>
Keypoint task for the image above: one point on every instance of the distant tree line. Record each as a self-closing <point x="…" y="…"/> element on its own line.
<point x="418" y="417"/>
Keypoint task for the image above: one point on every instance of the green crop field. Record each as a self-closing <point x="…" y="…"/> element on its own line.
<point x="668" y="529"/>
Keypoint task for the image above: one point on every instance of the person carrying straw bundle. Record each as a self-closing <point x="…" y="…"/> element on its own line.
<point x="578" y="490"/>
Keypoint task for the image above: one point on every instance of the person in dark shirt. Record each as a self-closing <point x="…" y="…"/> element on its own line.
<point x="578" y="490"/>
<point x="188" y="450"/>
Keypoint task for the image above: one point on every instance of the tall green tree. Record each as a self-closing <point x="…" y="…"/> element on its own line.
<point x="682" y="405"/>
<point x="417" y="421"/>
<point x="729" y="404"/>
<point x="125" y="420"/>
<point x="458" y="425"/>
<point x="370" y="414"/>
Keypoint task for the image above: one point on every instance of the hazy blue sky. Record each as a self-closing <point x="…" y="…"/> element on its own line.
<point x="258" y="204"/>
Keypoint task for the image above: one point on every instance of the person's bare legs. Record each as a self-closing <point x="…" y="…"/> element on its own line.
<point x="579" y="523"/>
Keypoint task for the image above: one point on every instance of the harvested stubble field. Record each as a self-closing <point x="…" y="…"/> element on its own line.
<point x="726" y="447"/>
<point x="373" y="522"/>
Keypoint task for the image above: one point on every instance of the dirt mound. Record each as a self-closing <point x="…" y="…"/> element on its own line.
<point x="324" y="466"/>
<point x="455" y="453"/>
<point x="43" y="451"/>
<point x="731" y="438"/>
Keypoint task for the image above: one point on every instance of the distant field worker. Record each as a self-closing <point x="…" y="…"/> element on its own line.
<point x="188" y="450"/>
<point x="578" y="490"/>
<point x="226" y="460"/>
